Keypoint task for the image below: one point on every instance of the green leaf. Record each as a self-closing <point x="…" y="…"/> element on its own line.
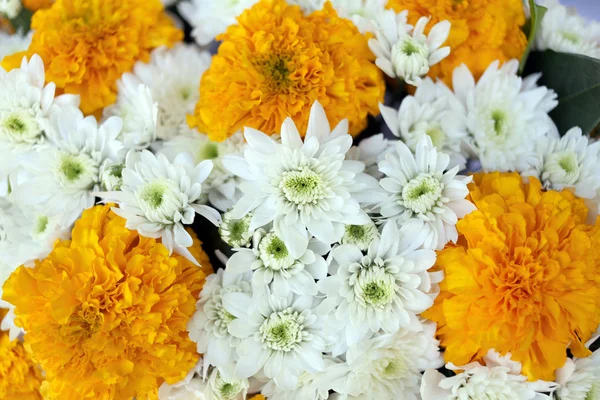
<point x="534" y="23"/>
<point x="22" y="22"/>
<point x="576" y="80"/>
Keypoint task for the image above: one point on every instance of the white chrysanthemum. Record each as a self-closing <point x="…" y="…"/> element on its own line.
<point x="383" y="290"/>
<point x="568" y="162"/>
<point x="418" y="188"/>
<point x="579" y="379"/>
<point x="173" y="76"/>
<point x="428" y="112"/>
<point x="284" y="269"/>
<point x="360" y="236"/>
<point x="10" y="8"/>
<point x="302" y="185"/>
<point x="65" y="172"/>
<point x="209" y="325"/>
<point x="308" y="6"/>
<point x="7" y="323"/>
<point x="406" y="53"/>
<point x="503" y="115"/>
<point x="282" y="336"/>
<point x="500" y="379"/>
<point x="111" y="175"/>
<point x="222" y="186"/>
<point x="236" y="232"/>
<point x="210" y="18"/>
<point x="389" y="366"/>
<point x="157" y="198"/>
<point x="13" y="43"/>
<point x="27" y="107"/>
<point x="564" y="31"/>
<point x="371" y="151"/>
<point x="361" y="12"/>
<point x="137" y="110"/>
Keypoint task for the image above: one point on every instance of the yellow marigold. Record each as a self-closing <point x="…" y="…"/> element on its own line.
<point x="482" y="31"/>
<point x="87" y="45"/>
<point x="258" y="397"/>
<point x="106" y="312"/>
<point x="20" y="378"/>
<point x="276" y="62"/>
<point x="35" y="5"/>
<point x="524" y="277"/>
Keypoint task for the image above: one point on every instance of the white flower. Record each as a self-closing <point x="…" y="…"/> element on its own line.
<point x="210" y="18"/>
<point x="282" y="336"/>
<point x="209" y="325"/>
<point x="138" y="111"/>
<point x="360" y="235"/>
<point x="308" y="6"/>
<point x="503" y="115"/>
<point x="418" y="188"/>
<point x="7" y="324"/>
<point x="579" y="379"/>
<point x="222" y="186"/>
<point x="13" y="43"/>
<point x="500" y="378"/>
<point x="361" y="12"/>
<point x="564" y="31"/>
<point x="428" y="112"/>
<point x="389" y="366"/>
<point x="157" y="198"/>
<point x="173" y="76"/>
<point x="10" y="8"/>
<point x="276" y="265"/>
<point x="370" y="151"/>
<point x="302" y="185"/>
<point x="65" y="173"/>
<point x="382" y="290"/>
<point x="406" y="53"/>
<point x="111" y="175"/>
<point x="568" y="162"/>
<point x="236" y="232"/>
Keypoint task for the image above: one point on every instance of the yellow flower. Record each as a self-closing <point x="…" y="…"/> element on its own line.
<point x="482" y="31"/>
<point x="276" y="62"/>
<point x="87" y="45"/>
<point x="258" y="397"/>
<point x="524" y="277"/>
<point x="106" y="312"/>
<point x="20" y="378"/>
<point x="34" y="5"/>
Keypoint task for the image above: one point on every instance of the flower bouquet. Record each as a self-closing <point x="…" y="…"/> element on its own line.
<point x="299" y="200"/>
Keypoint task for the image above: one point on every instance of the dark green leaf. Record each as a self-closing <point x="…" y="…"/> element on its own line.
<point x="22" y="22"/>
<point x="534" y="23"/>
<point x="576" y="80"/>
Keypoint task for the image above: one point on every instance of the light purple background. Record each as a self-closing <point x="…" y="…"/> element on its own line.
<point x="588" y="8"/>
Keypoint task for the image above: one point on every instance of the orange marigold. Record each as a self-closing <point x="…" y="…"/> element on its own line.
<point x="106" y="312"/>
<point x="20" y="378"/>
<point x="276" y="62"/>
<point x="482" y="31"/>
<point x="35" y="5"/>
<point x="87" y="45"/>
<point x="524" y="277"/>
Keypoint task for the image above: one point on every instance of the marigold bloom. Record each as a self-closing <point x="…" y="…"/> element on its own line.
<point x="524" y="277"/>
<point x="106" y="312"/>
<point x="276" y="62"/>
<point x="20" y="378"/>
<point x="34" y="5"/>
<point x="87" y="45"/>
<point x="482" y="31"/>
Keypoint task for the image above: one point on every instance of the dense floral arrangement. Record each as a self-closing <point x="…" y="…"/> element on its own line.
<point x="299" y="200"/>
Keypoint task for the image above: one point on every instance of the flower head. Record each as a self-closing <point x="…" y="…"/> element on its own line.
<point x="120" y="305"/>
<point x="524" y="272"/>
<point x="67" y="34"/>
<point x="276" y="62"/>
<point x="371" y="151"/>
<point x="360" y="236"/>
<point x="579" y="379"/>
<point x="236" y="232"/>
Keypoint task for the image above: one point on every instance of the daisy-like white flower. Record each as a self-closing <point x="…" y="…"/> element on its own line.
<point x="137" y="110"/>
<point x="360" y="236"/>
<point x="111" y="175"/>
<point x="361" y="12"/>
<point x="209" y="325"/>
<point x="284" y="269"/>
<point x="210" y="18"/>
<point x="568" y="162"/>
<point x="13" y="43"/>
<point x="499" y="378"/>
<point x="302" y="185"/>
<point x="407" y="53"/>
<point x="564" y="31"/>
<point x="236" y="232"/>
<point x="371" y="151"/>
<point x="382" y="290"/>
<point x="503" y="115"/>
<point x="389" y="366"/>
<point x="65" y="173"/>
<point x="222" y="186"/>
<point x="428" y="112"/>
<point x="173" y="76"/>
<point x="10" y="8"/>
<point x="157" y="198"/>
<point x="418" y="188"/>
<point x="579" y="379"/>
<point x="282" y="336"/>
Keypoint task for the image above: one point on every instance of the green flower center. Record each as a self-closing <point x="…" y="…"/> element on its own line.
<point x="71" y="168"/>
<point x="421" y="194"/>
<point x="41" y="224"/>
<point x="356" y="232"/>
<point x="571" y="37"/>
<point x="153" y="194"/>
<point x="274" y="253"/>
<point x="20" y="127"/>
<point x="303" y="186"/>
<point x="283" y="330"/>
<point x="409" y="48"/>
<point x="15" y="124"/>
<point x="569" y="164"/>
<point x="376" y="293"/>
<point x="117" y="170"/>
<point x="438" y="137"/>
<point x="499" y="120"/>
<point x="209" y="151"/>
<point x="276" y="71"/>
